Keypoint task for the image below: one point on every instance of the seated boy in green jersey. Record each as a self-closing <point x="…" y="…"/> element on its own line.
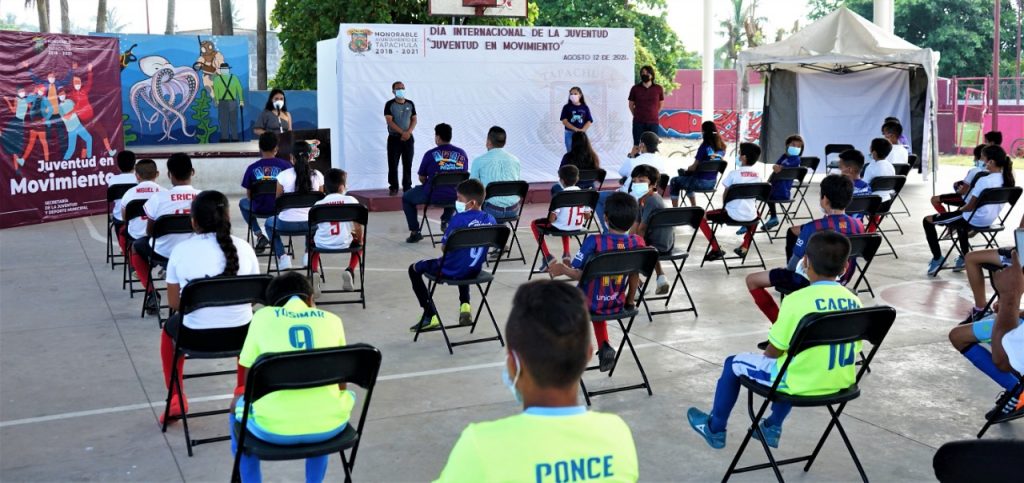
<point x="554" y="438"/>
<point x="291" y="322"/>
<point x="819" y="370"/>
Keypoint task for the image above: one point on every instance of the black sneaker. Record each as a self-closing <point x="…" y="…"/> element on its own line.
<point x="414" y="237"/>
<point x="1008" y="410"/>
<point x="762" y="345"/>
<point x="740" y="252"/>
<point x="974" y="316"/>
<point x="152" y="303"/>
<point x="714" y="255"/>
<point x="261" y="244"/>
<point x="606" y="357"/>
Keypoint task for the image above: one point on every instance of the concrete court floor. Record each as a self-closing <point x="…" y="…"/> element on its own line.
<point x="80" y="378"/>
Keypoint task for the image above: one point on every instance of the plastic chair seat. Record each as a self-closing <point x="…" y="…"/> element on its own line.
<point x="993" y="228"/>
<point x="557" y="232"/>
<point x="482" y="278"/>
<point x="838" y="397"/>
<point x="622" y="314"/>
<point x="350" y="249"/>
<point x="276" y="452"/>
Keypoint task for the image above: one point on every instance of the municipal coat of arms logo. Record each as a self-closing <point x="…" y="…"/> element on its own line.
<point x="359" y="40"/>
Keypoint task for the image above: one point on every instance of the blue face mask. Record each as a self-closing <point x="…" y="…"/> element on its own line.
<point x="400" y="94"/>
<point x="793" y="151"/>
<point x="638" y="190"/>
<point x="459" y="206"/>
<point x="510" y="383"/>
<point x="979" y="163"/>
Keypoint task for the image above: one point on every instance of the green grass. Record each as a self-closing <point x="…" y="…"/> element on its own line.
<point x="957" y="160"/>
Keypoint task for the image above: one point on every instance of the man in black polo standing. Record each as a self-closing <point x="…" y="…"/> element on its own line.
<point x="400" y="114"/>
<point x="645" y="100"/>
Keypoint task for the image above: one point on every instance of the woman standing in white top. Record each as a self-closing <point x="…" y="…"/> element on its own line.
<point x="211" y="252"/>
<point x="302" y="178"/>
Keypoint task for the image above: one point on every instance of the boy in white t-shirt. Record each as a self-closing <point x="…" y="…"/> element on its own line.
<point x="736" y="210"/>
<point x="566" y="219"/>
<point x="337" y="235"/>
<point x="893" y="131"/>
<point x="126" y="164"/>
<point x="175" y="201"/>
<point x="880" y="166"/>
<point x="145" y="173"/>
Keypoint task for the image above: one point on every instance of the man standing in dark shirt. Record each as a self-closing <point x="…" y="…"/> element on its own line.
<point x="645" y="100"/>
<point x="400" y="115"/>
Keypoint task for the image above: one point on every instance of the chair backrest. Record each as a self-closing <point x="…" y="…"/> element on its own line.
<point x="223" y="291"/>
<point x="888" y="183"/>
<point x="978" y="460"/>
<point x="709" y="166"/>
<point x="789" y="174"/>
<point x="864" y="245"/>
<point x="912" y="159"/>
<point x="289" y="201"/>
<point x="673" y="217"/>
<point x="171" y="225"/>
<point x="747" y="191"/>
<point x="810" y="162"/>
<point x="592" y="175"/>
<point x="902" y="169"/>
<point x="263" y="187"/>
<point x="620" y="263"/>
<point x="977" y="176"/>
<point x="357" y="364"/>
<point x="492" y="236"/>
<point x="340" y="213"/>
<point x="998" y="196"/>
<point x="827" y="328"/>
<point x="507" y="188"/>
<point x="837" y="148"/>
<point x="864" y="205"/>
<point x="134" y="209"/>
<point x="449" y="179"/>
<point x="565" y="199"/>
<point x="117" y="191"/>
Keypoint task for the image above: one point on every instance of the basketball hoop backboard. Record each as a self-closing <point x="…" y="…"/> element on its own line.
<point x="473" y="8"/>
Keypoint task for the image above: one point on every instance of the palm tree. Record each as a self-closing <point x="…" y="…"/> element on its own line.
<point x="43" y="10"/>
<point x="65" y="19"/>
<point x="216" y="20"/>
<point x="261" y="44"/>
<point x="169" y="30"/>
<point x="228" y="22"/>
<point x="101" y="16"/>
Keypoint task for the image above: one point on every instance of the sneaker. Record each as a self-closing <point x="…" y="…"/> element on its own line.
<point x="699" y="422"/>
<point x="714" y="255"/>
<point x="935" y="265"/>
<point x="546" y="262"/>
<point x="771" y="434"/>
<point x="740" y="252"/>
<point x="426" y="324"/>
<point x="974" y="316"/>
<point x="159" y="272"/>
<point x="175" y="410"/>
<point x="763" y="345"/>
<point x="261" y="244"/>
<point x="305" y="260"/>
<point x="465" y="314"/>
<point x="959" y="265"/>
<point x="742" y="230"/>
<point x="153" y="303"/>
<point x="347" y="280"/>
<point x="1008" y="409"/>
<point x="662" y="285"/>
<point x="771" y="223"/>
<point x="284" y="262"/>
<point x="414" y="237"/>
<point x="317" y="290"/>
<point x="606" y="357"/>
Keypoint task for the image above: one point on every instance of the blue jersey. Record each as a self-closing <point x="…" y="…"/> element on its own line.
<point x="861" y="187"/>
<point x="781" y="190"/>
<point x="606" y="295"/>
<point x="467" y="262"/>
<point x="845" y="224"/>
<point x="705" y="153"/>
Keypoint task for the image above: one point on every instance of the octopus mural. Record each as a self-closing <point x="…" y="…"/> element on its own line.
<point x="169" y="91"/>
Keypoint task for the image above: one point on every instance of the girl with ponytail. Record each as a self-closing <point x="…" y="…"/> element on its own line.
<point x="970" y="216"/>
<point x="211" y="252"/>
<point x="301" y="178"/>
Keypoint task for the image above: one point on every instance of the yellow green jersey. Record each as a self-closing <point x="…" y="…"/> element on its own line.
<point x="545" y="445"/>
<point x="296" y="327"/>
<point x="823" y="369"/>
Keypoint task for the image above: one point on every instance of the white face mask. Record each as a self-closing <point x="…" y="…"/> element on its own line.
<point x="51" y="79"/>
<point x="278" y="104"/>
<point x="793" y="151"/>
<point x="78" y="87"/>
<point x="575" y="98"/>
<point x="638" y="190"/>
<point x="979" y="163"/>
<point x="460" y="206"/>
<point x="21" y="94"/>
<point x="61" y="98"/>
<point x="510" y="382"/>
<point x="400" y="94"/>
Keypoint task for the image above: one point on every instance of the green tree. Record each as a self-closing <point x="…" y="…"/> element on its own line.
<point x="960" y="30"/>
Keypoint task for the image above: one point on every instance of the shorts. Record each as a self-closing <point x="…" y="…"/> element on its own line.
<point x="983" y="328"/>
<point x="758" y="367"/>
<point x="1005" y="256"/>
<point x="787" y="280"/>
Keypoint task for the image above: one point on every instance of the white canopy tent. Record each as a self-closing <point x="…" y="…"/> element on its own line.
<point x="845" y="67"/>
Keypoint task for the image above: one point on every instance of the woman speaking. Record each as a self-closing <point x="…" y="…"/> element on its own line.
<point x="275" y="117"/>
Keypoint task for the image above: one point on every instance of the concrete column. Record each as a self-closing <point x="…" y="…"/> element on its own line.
<point x="707" y="82"/>
<point x="884" y="14"/>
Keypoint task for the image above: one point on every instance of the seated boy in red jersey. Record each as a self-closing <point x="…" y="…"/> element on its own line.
<point x="736" y="210"/>
<point x="145" y="173"/>
<point x="337" y="235"/>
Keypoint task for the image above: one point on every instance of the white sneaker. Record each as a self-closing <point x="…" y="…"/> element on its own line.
<point x="284" y="262"/>
<point x="347" y="281"/>
<point x="305" y="260"/>
<point x="662" y="285"/>
<point x="160" y="272"/>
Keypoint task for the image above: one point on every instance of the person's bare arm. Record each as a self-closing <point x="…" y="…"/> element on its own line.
<point x="149" y="227"/>
<point x="391" y="123"/>
<point x="565" y="122"/>
<point x="632" y="108"/>
<point x="412" y="125"/>
<point x="552" y="216"/>
<point x="558" y="268"/>
<point x="632" y="284"/>
<point x="585" y="126"/>
<point x="1009" y="282"/>
<point x="280" y="190"/>
<point x="773" y="352"/>
<point x="423" y="179"/>
<point x="173" y="295"/>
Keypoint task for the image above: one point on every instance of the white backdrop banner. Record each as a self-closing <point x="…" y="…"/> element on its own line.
<point x="474" y="77"/>
<point x="850" y="108"/>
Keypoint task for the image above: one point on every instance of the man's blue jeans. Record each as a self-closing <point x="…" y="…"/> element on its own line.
<point x="413" y="198"/>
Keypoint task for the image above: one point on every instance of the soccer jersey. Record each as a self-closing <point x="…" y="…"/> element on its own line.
<point x="545" y="445"/>
<point x="262" y="170"/>
<point x="122" y="178"/>
<point x="605" y="295"/>
<point x="985" y="215"/>
<point x="822" y="369"/>
<point x="296" y="327"/>
<point x="446" y="158"/>
<point x="334" y="235"/>
<point x="844" y="224"/>
<point x="861" y="187"/>
<point x="286" y="179"/>
<point x="742" y="210"/>
<point x="466" y="262"/>
<point x="782" y="190"/>
<point x="570" y="218"/>
<point x="175" y="201"/>
<point x="142" y="191"/>
<point x="201" y="256"/>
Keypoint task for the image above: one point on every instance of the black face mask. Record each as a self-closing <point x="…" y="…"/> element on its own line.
<point x="645" y="77"/>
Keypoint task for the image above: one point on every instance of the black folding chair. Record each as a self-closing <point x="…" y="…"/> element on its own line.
<point x="789" y="206"/>
<point x="134" y="209"/>
<point x="887" y="183"/>
<point x="164" y="225"/>
<point x="978" y="460"/>
<point x="510" y="188"/>
<point x="114" y="192"/>
<point x="1001" y="413"/>
<point x="478" y="239"/>
<point x="337" y="214"/>
<point x="263" y="187"/>
<point x="914" y="161"/>
<point x="670" y="218"/>
<point x="839" y="330"/>
<point x="901" y="170"/>
<point x="284" y="202"/>
<point x="989" y="233"/>
<point x="440" y="180"/>
<point x="717" y="167"/>
<point x="758" y="192"/>
<point x="863" y="248"/>
<point x="811" y="163"/>
<point x="620" y="264"/>
<point x="989" y="196"/>
<point x="566" y="199"/>
<point x="210" y="343"/>
<point x="592" y="176"/>
<point x="835" y="149"/>
<point x="357" y="364"/>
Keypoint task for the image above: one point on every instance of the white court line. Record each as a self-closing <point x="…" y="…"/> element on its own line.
<point x="93" y="232"/>
<point x="392" y="377"/>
